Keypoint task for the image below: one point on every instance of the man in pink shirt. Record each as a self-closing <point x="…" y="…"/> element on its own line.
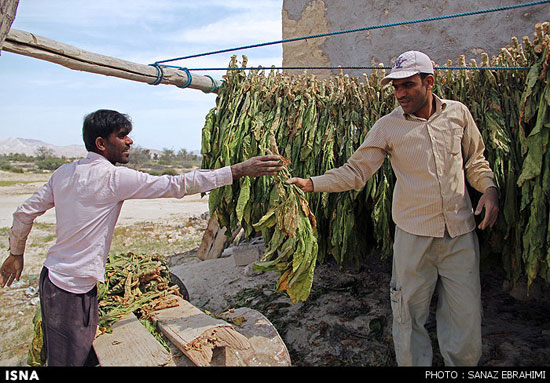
<point x="88" y="195"/>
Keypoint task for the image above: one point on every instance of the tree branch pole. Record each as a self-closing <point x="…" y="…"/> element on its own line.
<point x="8" y="9"/>
<point x="29" y="44"/>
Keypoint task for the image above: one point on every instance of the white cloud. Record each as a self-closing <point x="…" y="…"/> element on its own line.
<point x="249" y="28"/>
<point x="48" y="101"/>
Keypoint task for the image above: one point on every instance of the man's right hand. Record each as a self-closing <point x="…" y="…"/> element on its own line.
<point x="268" y="165"/>
<point x="11" y="269"/>
<point x="305" y="184"/>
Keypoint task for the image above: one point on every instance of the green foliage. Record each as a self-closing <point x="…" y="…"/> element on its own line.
<point x="317" y="125"/>
<point x="167" y="162"/>
<point x="43" y="159"/>
<point x="8" y="167"/>
<point x="51" y="163"/>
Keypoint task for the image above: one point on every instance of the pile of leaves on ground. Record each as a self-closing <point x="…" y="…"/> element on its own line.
<point x="316" y="124"/>
<point x="134" y="283"/>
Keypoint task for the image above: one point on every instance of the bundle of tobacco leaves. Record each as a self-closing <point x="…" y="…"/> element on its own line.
<point x="290" y="227"/>
<point x="317" y="125"/>
<point x="134" y="283"/>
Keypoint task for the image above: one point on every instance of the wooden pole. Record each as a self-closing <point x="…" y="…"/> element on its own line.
<point x="29" y="44"/>
<point x="8" y="8"/>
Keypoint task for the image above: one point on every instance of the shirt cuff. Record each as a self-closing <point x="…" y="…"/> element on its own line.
<point x="18" y="237"/>
<point x="320" y="184"/>
<point x="225" y="176"/>
<point x="486" y="183"/>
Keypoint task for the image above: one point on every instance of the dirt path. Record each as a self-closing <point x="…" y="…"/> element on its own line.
<point x="347" y="319"/>
<point x="345" y="322"/>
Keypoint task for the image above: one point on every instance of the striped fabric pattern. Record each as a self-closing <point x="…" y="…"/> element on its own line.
<point x="432" y="159"/>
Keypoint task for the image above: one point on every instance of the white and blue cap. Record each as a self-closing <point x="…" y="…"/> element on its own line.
<point x="408" y="64"/>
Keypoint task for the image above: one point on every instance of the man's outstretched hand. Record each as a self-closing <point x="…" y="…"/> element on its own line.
<point x="305" y="184"/>
<point x="268" y="165"/>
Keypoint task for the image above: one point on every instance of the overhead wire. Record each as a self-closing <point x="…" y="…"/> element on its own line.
<point x="161" y="63"/>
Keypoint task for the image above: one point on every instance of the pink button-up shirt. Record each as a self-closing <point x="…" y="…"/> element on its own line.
<point x="88" y="196"/>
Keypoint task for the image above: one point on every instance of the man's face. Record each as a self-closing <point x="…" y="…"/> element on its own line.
<point x="412" y="93"/>
<point x="117" y="147"/>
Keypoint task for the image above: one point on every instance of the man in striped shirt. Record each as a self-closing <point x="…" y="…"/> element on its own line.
<point x="434" y="146"/>
<point x="88" y="195"/>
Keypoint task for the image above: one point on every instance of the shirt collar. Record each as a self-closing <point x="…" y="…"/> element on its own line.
<point x="440" y="104"/>
<point x="95" y="156"/>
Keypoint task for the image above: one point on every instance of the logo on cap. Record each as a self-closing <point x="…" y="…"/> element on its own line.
<point x="398" y="63"/>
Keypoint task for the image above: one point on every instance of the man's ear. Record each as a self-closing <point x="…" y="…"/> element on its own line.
<point x="429" y="81"/>
<point x="100" y="144"/>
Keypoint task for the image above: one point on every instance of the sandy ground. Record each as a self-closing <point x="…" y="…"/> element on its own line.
<point x="345" y="322"/>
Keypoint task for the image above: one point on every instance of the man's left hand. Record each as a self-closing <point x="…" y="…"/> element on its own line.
<point x="489" y="202"/>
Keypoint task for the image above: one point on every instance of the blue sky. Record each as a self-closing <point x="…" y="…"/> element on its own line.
<point x="46" y="101"/>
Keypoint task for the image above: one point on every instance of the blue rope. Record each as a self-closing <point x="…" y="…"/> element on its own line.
<point x="160" y="74"/>
<point x="484" y="67"/>
<point x="189" y="78"/>
<point x="214" y="85"/>
<point x="360" y="67"/>
<point x="361" y="29"/>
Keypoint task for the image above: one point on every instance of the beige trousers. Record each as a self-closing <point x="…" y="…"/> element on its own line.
<point x="420" y="265"/>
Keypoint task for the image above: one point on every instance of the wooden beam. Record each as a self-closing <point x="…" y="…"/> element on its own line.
<point x="130" y="344"/>
<point x="8" y="9"/>
<point x="197" y="334"/>
<point x="29" y="44"/>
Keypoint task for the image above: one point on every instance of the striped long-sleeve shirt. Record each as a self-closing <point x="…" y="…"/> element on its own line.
<point x="431" y="159"/>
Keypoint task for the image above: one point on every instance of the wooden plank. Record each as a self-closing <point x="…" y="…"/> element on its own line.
<point x="130" y="344"/>
<point x="266" y="345"/>
<point x="197" y="334"/>
<point x="214" y="240"/>
<point x="29" y="44"/>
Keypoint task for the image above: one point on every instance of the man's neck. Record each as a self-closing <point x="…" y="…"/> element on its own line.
<point x="102" y="154"/>
<point x="427" y="110"/>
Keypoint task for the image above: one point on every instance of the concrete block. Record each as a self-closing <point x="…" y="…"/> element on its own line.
<point x="250" y="252"/>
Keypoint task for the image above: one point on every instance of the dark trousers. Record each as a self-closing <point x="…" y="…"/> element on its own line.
<point x="69" y="323"/>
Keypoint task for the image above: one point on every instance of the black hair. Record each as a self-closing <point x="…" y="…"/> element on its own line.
<point x="102" y="123"/>
<point x="424" y="75"/>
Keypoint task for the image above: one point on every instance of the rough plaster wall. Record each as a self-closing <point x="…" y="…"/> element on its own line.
<point x="310" y="21"/>
<point x="441" y="40"/>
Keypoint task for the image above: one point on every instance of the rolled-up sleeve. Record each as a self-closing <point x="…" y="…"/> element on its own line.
<point x="477" y="168"/>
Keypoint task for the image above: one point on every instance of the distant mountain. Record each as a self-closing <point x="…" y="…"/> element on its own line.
<point x="28" y="146"/>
